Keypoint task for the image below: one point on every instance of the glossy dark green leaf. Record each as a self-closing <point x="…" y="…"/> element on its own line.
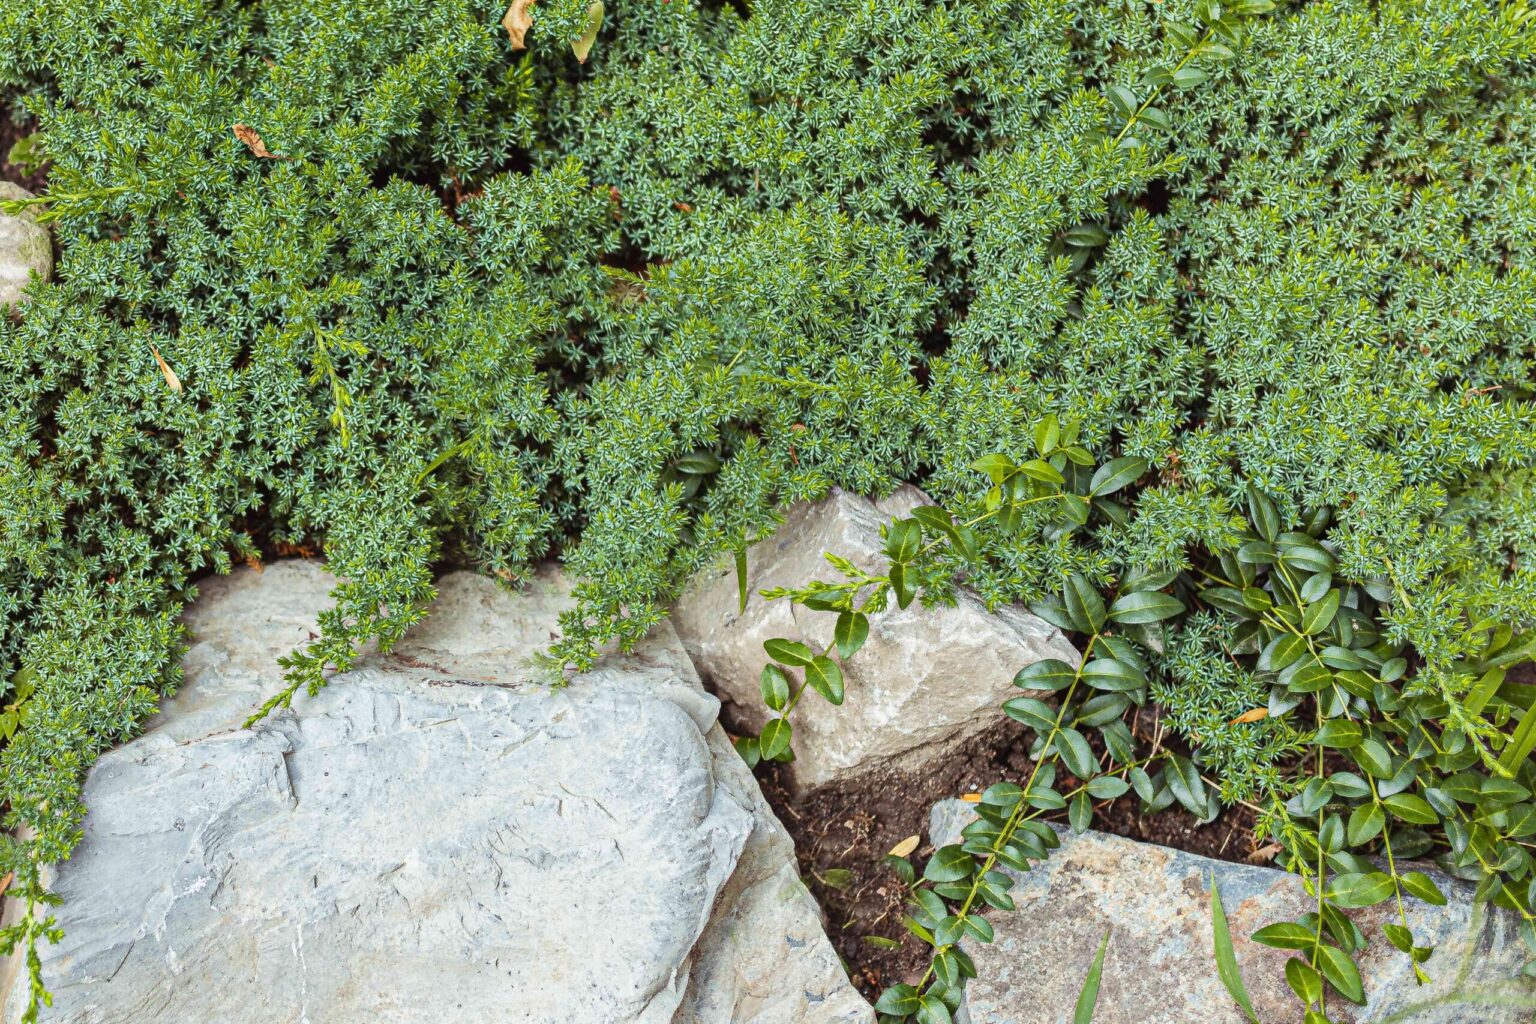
<point x="825" y="677"/>
<point x="1365" y="824"/>
<point x="1146" y="606"/>
<point x="903" y="538"/>
<point x="1372" y="755"/>
<point x="1034" y="713"/>
<point x="698" y="464"/>
<point x="1340" y="733"/>
<point x="1080" y="811"/>
<point x="1076" y="754"/>
<point x="1266" y="519"/>
<point x="851" y="631"/>
<point x="1341" y="972"/>
<point x="1411" y="808"/>
<point x="1084" y="604"/>
<point x="1319" y="616"/>
<point x="1039" y="469"/>
<point x="748" y="748"/>
<point x="1050" y="674"/>
<point x="774" y="686"/>
<point x="1304" y="981"/>
<point x="1418" y="884"/>
<point x="949" y="931"/>
<point x="775" y="737"/>
<point x="899" y="1000"/>
<point x="1360" y="889"/>
<point x="899" y="586"/>
<point x="1113" y="675"/>
<point x="1047" y="435"/>
<point x="1107" y="787"/>
<point x="949" y="864"/>
<point x="1116" y="474"/>
<point x="1285" y="935"/>
<point x="788" y="652"/>
<point x="931" y="1010"/>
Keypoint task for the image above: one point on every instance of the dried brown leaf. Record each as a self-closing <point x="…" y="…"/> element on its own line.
<point x="905" y="847"/>
<point x="170" y="374"/>
<point x="1265" y="854"/>
<point x="517" y="21"/>
<point x="1250" y="716"/>
<point x="253" y="141"/>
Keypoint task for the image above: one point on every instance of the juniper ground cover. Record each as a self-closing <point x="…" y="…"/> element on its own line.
<point x="377" y="278"/>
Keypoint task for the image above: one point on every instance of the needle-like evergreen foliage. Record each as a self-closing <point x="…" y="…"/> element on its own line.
<point x="439" y="299"/>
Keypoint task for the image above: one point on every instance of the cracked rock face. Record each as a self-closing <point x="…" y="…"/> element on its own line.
<point x="926" y="681"/>
<point x="1160" y="964"/>
<point x="25" y="247"/>
<point x="437" y="835"/>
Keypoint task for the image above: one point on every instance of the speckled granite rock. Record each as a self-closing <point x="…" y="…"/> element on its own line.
<point x="25" y="248"/>
<point x="907" y="704"/>
<point x="1159" y="968"/>
<point x="436" y="836"/>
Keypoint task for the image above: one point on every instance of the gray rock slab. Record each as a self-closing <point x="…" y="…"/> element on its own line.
<point x="1160" y="967"/>
<point x="926" y="681"/>
<point x="438" y="835"/>
<point x="25" y="248"/>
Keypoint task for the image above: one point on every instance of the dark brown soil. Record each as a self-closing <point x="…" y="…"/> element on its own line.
<point x="842" y="833"/>
<point x="10" y="132"/>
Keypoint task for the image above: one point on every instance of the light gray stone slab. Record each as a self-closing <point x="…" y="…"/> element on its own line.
<point x="25" y="248"/>
<point x="438" y="835"/>
<point x="1160" y="966"/>
<point x="927" y="680"/>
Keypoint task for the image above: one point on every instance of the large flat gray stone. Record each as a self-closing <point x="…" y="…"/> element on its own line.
<point x="926" y="681"/>
<point x="437" y="836"/>
<point x="26" y="248"/>
<point x="1160" y="967"/>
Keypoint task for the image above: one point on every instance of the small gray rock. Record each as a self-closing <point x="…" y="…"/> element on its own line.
<point x="927" y="680"/>
<point x="26" y="248"/>
<point x="438" y="835"/>
<point x="1160" y="966"/>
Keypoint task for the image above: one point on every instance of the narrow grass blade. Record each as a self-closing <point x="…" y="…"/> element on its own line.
<point x="1089" y="996"/>
<point x="741" y="579"/>
<point x="1226" y="958"/>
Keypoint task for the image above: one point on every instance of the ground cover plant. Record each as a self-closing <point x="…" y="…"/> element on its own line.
<point x="420" y="288"/>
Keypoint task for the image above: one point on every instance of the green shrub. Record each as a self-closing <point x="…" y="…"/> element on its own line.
<point x="483" y="305"/>
<point x="1268" y="657"/>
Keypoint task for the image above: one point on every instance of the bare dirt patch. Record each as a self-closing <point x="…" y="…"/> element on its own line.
<point x="843" y="832"/>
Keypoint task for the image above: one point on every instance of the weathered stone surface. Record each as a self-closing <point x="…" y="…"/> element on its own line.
<point x="436" y="836"/>
<point x="1160" y="966"/>
<point x="927" y="679"/>
<point x="25" y="246"/>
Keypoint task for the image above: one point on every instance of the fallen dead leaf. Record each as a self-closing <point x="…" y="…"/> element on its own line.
<point x="253" y="141"/>
<point x="170" y="374"/>
<point x="1265" y="853"/>
<point x="1250" y="716"/>
<point x="517" y="21"/>
<point x="583" y="46"/>
<point x="5" y="883"/>
<point x="905" y="847"/>
<point x="971" y="798"/>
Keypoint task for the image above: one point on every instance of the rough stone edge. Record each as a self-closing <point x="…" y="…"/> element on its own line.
<point x="740" y="887"/>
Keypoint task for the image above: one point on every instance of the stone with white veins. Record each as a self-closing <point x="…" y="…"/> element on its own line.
<point x="25" y="248"/>
<point x="1160" y="968"/>
<point x="926" y="681"/>
<point x="438" y="835"/>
